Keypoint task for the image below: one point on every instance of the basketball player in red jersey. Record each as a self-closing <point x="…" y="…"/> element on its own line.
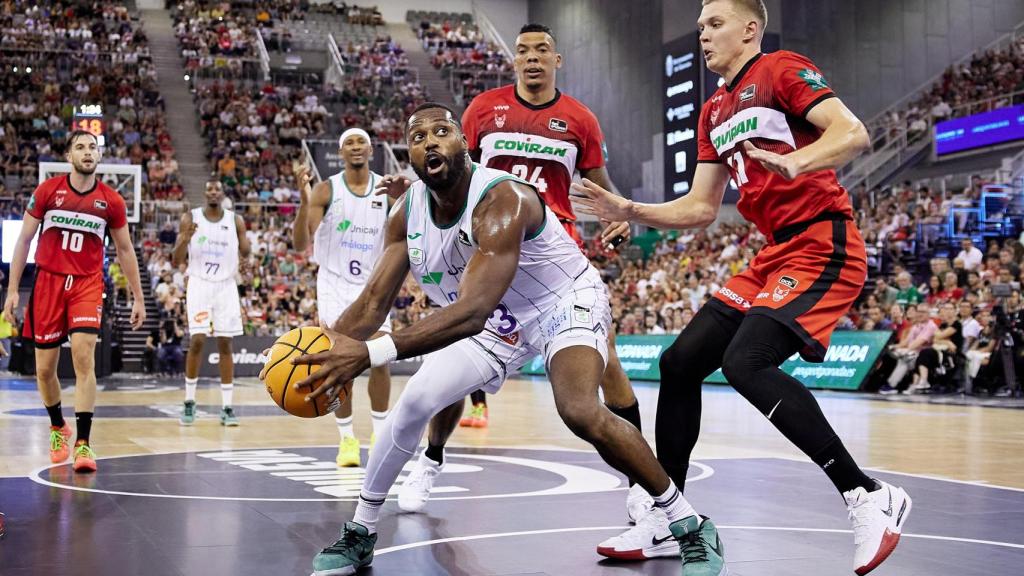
<point x="537" y="133"/>
<point x="76" y="211"/>
<point x="778" y="131"/>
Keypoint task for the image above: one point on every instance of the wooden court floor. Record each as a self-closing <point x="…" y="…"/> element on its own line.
<point x="522" y="496"/>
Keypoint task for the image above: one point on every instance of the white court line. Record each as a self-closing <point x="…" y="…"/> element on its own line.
<point x="423" y="543"/>
<point x="977" y="483"/>
<point x="36" y="476"/>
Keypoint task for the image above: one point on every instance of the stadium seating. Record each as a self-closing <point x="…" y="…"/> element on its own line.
<point x="54" y="61"/>
<point x="458" y="48"/>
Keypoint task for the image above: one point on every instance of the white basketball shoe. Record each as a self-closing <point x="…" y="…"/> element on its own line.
<point x="650" y="538"/>
<point x="638" y="503"/>
<point x="415" y="491"/>
<point x="878" y="518"/>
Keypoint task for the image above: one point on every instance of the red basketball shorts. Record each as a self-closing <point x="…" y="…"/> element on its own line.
<point x="807" y="282"/>
<point x="61" y="305"/>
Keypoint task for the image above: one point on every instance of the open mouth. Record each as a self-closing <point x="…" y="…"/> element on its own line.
<point x="707" y="54"/>
<point x="534" y="72"/>
<point x="435" y="163"/>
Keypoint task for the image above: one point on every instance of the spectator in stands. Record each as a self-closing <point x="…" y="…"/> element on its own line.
<point x="170" y="354"/>
<point x="938" y="357"/>
<point x="969" y="254"/>
<point x="919" y="336"/>
<point x="149" y="353"/>
<point x="980" y="350"/>
<point x="907" y="295"/>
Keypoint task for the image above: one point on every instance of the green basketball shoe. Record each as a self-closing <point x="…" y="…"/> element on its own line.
<point x="188" y="413"/>
<point x="227" y="417"/>
<point x="702" y="550"/>
<point x="354" y="550"/>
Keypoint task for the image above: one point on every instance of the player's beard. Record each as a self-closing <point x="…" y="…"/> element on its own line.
<point x="456" y="169"/>
<point x="85" y="170"/>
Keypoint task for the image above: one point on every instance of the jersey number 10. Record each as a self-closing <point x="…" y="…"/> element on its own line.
<point x="71" y="241"/>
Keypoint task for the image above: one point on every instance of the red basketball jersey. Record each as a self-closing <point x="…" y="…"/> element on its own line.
<point x="543" y="145"/>
<point x="767" y="103"/>
<point x="74" y="225"/>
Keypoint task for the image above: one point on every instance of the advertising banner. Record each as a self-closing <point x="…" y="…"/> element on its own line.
<point x="849" y="358"/>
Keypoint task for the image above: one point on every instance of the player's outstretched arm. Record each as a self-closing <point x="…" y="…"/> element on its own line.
<point x="28" y="231"/>
<point x="130" y="266"/>
<point x="312" y="207"/>
<point x="613" y="230"/>
<point x="186" y="228"/>
<point x="500" y="223"/>
<point x="843" y="138"/>
<point x="698" y="209"/>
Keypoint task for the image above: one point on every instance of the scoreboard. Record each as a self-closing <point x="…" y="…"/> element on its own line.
<point x="89" y="117"/>
<point x="682" y="84"/>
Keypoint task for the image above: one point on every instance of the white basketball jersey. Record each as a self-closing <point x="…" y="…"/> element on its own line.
<point x="350" y="238"/>
<point x="213" y="251"/>
<point x="549" y="260"/>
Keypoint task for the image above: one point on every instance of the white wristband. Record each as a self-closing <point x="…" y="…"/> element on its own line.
<point x="382" y="351"/>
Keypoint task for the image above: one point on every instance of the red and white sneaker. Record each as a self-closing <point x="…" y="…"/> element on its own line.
<point x="650" y="538"/>
<point x="878" y="518"/>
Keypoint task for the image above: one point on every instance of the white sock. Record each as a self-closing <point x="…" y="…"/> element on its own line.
<point x="226" y="392"/>
<point x="345" y="427"/>
<point x="367" y="513"/>
<point x="190" y="388"/>
<point x="675" y="506"/>
<point x="378" y="420"/>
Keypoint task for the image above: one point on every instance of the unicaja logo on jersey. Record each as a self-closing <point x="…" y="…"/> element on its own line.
<point x="433" y="278"/>
<point x="343" y="225"/>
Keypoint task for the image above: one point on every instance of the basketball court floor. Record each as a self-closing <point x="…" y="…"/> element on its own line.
<point x="520" y="497"/>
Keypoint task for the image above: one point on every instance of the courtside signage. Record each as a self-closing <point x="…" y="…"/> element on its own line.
<point x="848" y="360"/>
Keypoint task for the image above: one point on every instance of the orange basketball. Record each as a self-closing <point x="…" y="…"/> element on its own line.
<point x="282" y="374"/>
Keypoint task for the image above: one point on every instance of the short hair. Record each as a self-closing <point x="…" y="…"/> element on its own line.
<point x="755" y="8"/>
<point x="74" y="135"/>
<point x="430" y="105"/>
<point x="534" y="27"/>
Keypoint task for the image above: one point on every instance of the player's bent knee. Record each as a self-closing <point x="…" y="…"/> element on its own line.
<point x="582" y="418"/>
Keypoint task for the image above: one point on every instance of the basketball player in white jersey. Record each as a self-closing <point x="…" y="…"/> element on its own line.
<point x="213" y="239"/>
<point x="347" y="222"/>
<point x="511" y="283"/>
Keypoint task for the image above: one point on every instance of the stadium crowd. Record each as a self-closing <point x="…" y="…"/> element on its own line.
<point x="989" y="80"/>
<point x="458" y="48"/>
<point x="63" y="56"/>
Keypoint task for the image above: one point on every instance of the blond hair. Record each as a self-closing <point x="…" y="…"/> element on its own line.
<point x="755" y="8"/>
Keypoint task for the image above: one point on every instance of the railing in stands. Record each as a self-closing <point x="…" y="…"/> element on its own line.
<point x="900" y="142"/>
<point x="490" y="32"/>
<point x="881" y="118"/>
<point x="309" y="160"/>
<point x="261" y="46"/>
<point x="337" y="62"/>
<point x="391" y="165"/>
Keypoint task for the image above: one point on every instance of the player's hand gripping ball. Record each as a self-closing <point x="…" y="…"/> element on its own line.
<point x="279" y="374"/>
